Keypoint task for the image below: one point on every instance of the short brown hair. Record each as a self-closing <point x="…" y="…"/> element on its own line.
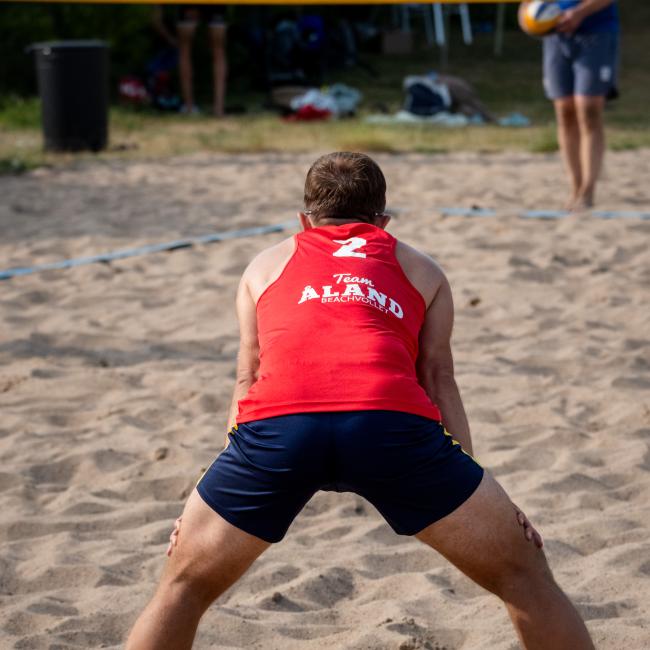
<point x="345" y="185"/>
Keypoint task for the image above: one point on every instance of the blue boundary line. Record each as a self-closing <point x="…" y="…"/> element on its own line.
<point x="177" y="244"/>
<point x="545" y="214"/>
<point x="146" y="250"/>
<point x="468" y="212"/>
<point x="621" y="214"/>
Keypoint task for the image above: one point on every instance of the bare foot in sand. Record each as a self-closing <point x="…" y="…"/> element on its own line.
<point x="586" y="199"/>
<point x="580" y="201"/>
<point x="583" y="203"/>
<point x="572" y="201"/>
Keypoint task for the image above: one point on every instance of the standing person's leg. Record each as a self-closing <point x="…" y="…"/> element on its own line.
<point x="219" y="65"/>
<point x="559" y="82"/>
<point x="595" y="71"/>
<point x="210" y="556"/>
<point x="186" y="28"/>
<point x="568" y="136"/>
<point x="589" y="112"/>
<point x="483" y="539"/>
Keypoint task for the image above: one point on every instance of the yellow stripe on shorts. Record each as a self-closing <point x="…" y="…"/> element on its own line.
<point x="232" y="431"/>
<point x="455" y="442"/>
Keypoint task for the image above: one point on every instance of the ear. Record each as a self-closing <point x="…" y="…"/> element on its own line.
<point x="382" y="221"/>
<point x="305" y="222"/>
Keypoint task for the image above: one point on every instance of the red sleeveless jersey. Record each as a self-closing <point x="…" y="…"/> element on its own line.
<point x="338" y="330"/>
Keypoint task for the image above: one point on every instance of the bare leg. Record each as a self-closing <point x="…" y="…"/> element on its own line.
<point x="210" y="556"/>
<point x="568" y="135"/>
<point x="185" y="37"/>
<point x="482" y="538"/>
<point x="219" y="66"/>
<point x="592" y="144"/>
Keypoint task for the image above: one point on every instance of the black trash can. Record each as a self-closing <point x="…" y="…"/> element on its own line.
<point x="73" y="86"/>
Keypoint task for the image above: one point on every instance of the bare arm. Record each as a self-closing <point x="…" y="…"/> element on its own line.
<point x="435" y="365"/>
<point x="436" y="374"/>
<point x="248" y="359"/>
<point x="588" y="7"/>
<point x="572" y="18"/>
<point x="261" y="272"/>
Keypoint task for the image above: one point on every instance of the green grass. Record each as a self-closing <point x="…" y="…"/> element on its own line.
<point x="510" y="83"/>
<point x="544" y="141"/>
<point x="15" y="166"/>
<point x="19" y="113"/>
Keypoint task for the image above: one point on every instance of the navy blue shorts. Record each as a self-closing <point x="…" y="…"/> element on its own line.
<point x="407" y="466"/>
<point x="581" y="64"/>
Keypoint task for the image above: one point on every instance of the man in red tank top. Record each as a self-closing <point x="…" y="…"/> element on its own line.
<point x="345" y="382"/>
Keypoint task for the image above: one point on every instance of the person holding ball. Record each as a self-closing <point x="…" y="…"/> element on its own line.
<point x="580" y="73"/>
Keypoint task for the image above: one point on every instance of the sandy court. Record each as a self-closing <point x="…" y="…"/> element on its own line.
<point x="115" y="381"/>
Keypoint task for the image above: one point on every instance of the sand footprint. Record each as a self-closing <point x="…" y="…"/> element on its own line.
<point x="381" y="565"/>
<point x="53" y="606"/>
<point x="321" y="591"/>
<point x="422" y="637"/>
<point x="384" y="535"/>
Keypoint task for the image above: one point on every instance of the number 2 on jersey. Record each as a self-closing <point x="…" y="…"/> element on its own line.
<point x="350" y="247"/>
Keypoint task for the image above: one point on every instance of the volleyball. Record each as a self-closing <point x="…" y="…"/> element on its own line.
<point x="539" y="18"/>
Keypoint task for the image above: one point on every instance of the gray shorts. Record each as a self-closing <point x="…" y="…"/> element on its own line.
<point x="582" y="64"/>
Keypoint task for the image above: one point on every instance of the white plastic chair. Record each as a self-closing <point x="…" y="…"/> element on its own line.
<point x="462" y="9"/>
